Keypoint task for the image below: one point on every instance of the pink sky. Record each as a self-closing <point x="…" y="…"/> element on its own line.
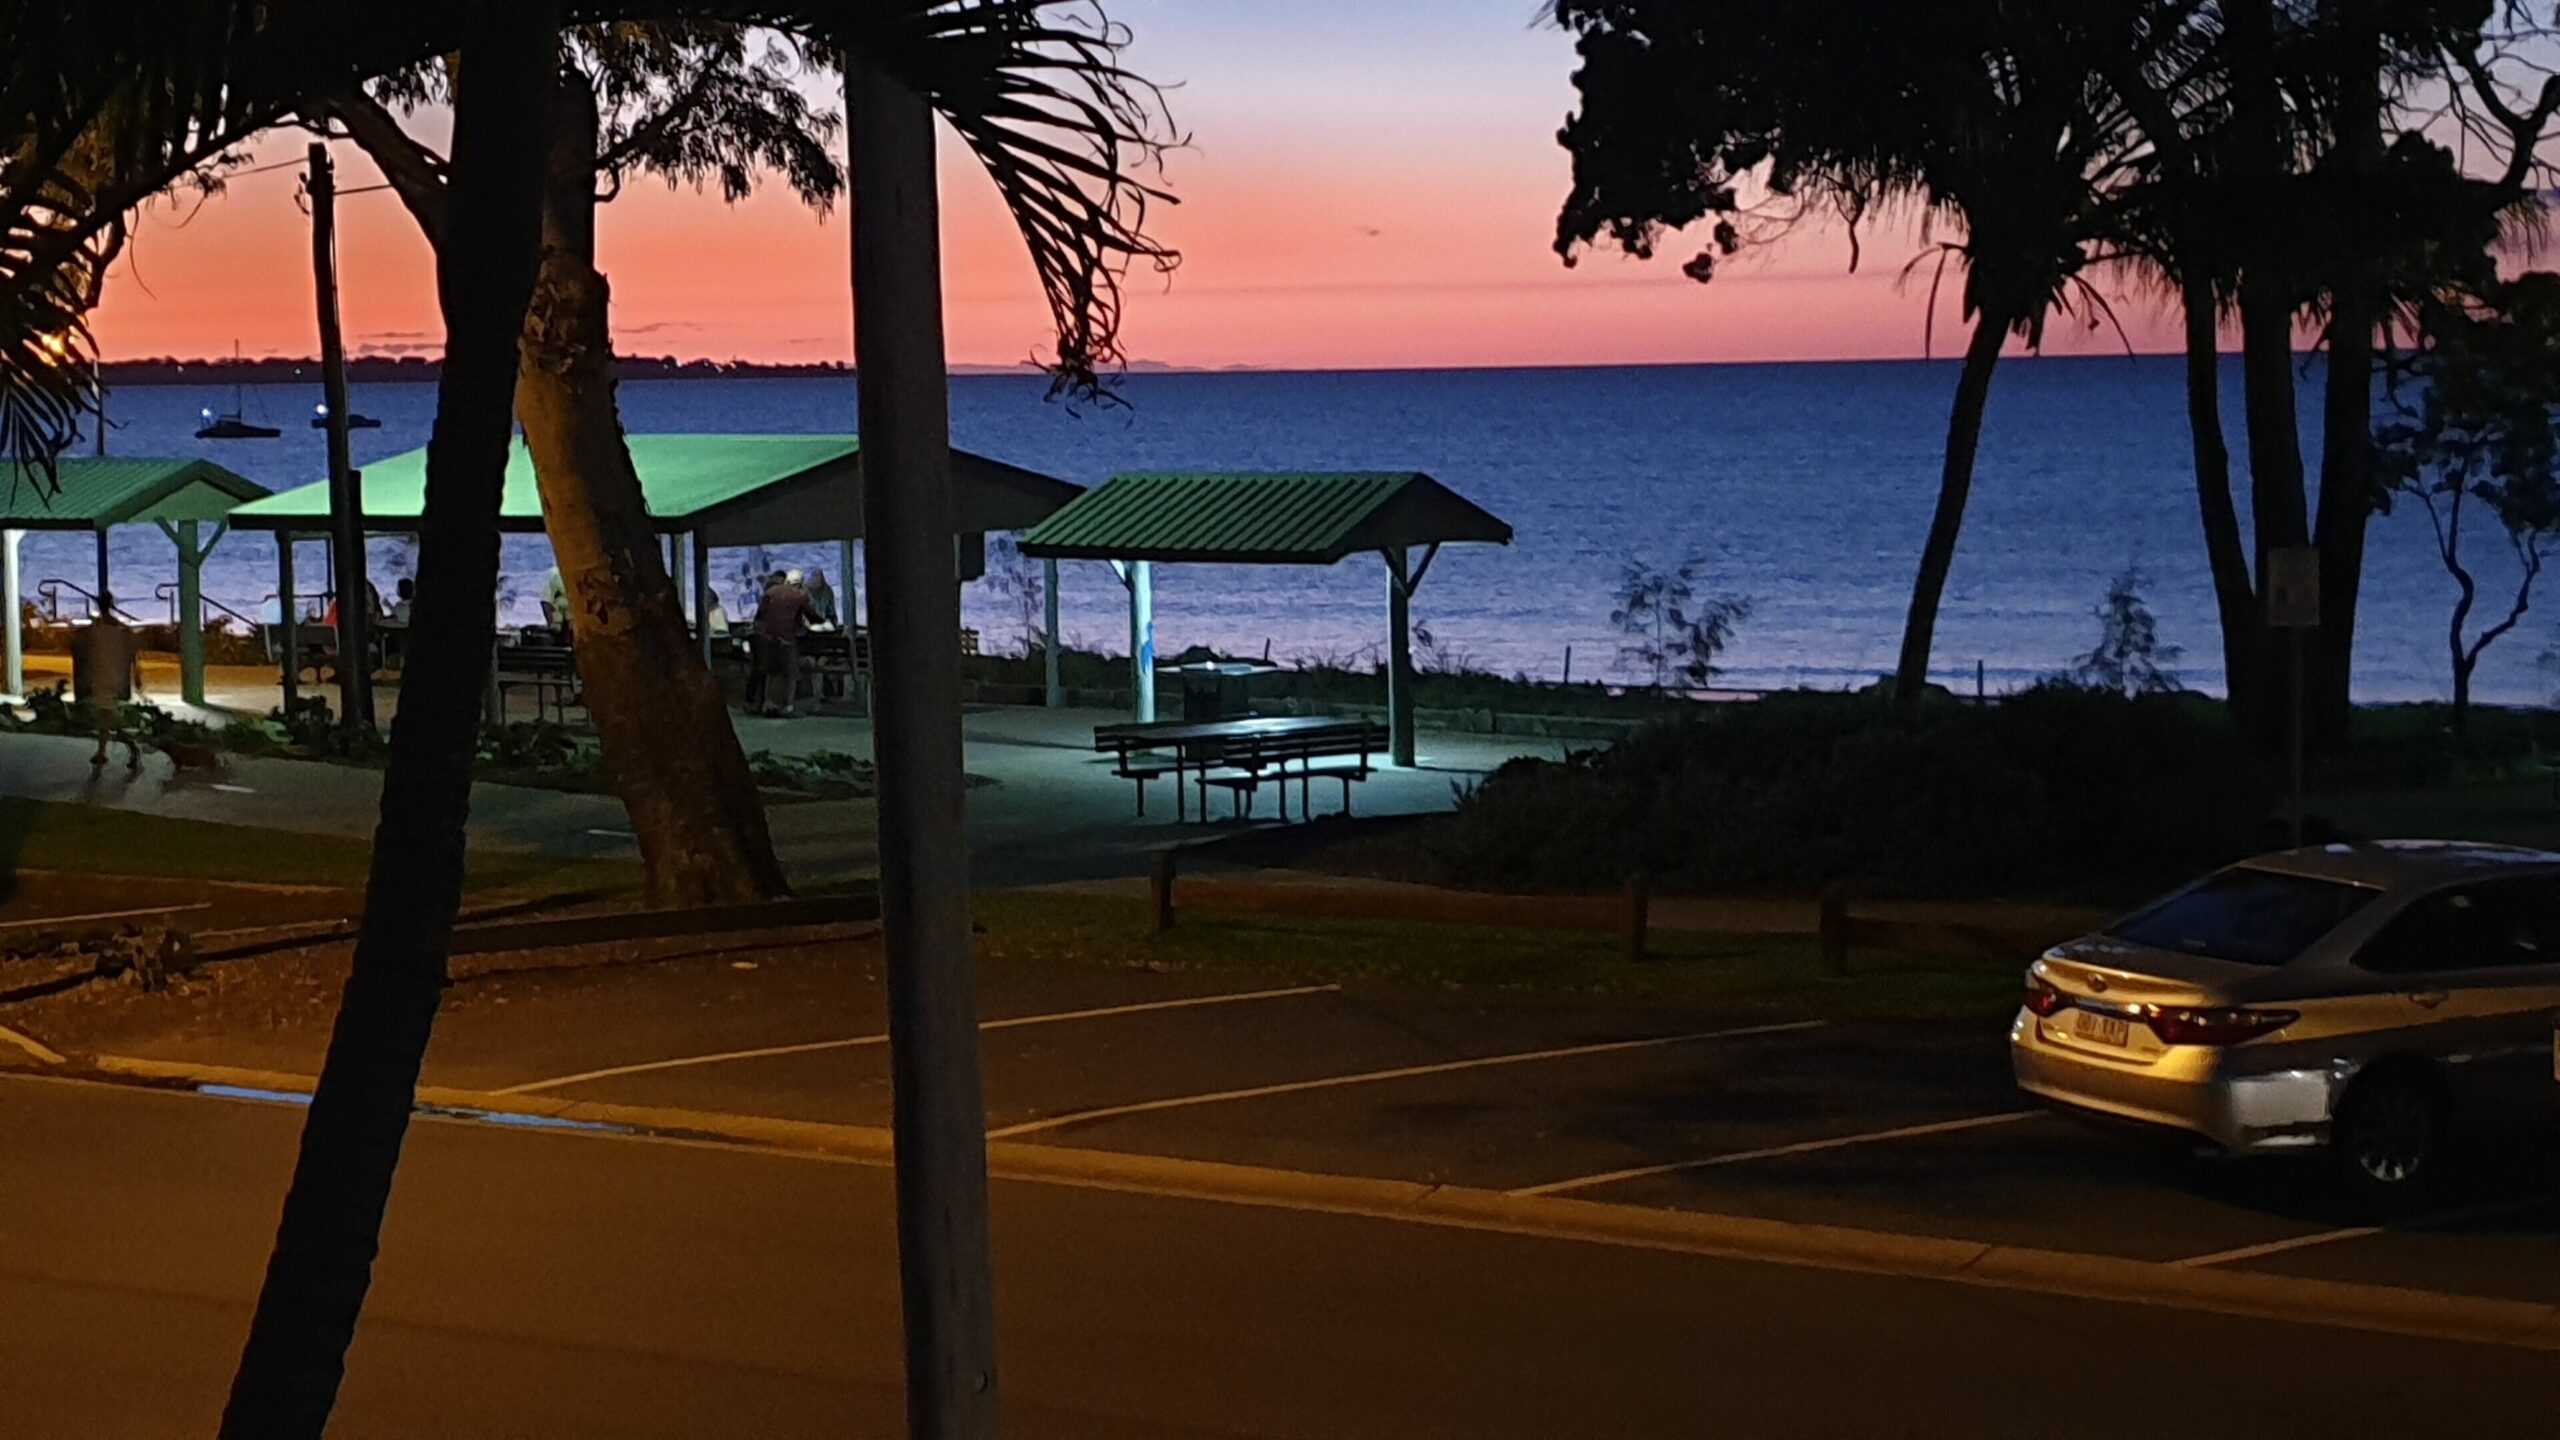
<point x="1369" y="186"/>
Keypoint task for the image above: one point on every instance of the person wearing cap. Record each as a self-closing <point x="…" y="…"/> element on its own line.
<point x="781" y="618"/>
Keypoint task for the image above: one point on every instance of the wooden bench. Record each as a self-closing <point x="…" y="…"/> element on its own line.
<point x="549" y="671"/>
<point x="1241" y="787"/>
<point x="1341" y="756"/>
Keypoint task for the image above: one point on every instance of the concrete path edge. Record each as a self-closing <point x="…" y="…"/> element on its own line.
<point x="2248" y="1294"/>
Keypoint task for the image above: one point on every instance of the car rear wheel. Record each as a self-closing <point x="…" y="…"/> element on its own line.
<point x="2386" y="1140"/>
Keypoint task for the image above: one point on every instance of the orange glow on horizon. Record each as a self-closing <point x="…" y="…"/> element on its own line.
<point x="1340" y="208"/>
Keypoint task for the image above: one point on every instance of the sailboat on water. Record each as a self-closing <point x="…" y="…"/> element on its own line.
<point x="320" y="419"/>
<point x="231" y="426"/>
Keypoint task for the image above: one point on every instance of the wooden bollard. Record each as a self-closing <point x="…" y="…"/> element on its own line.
<point x="1160" y="885"/>
<point x="1633" y="914"/>
<point x="1831" y="925"/>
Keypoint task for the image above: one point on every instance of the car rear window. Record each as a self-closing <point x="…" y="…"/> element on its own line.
<point x="2256" y="917"/>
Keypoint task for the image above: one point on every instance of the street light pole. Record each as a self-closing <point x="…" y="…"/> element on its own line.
<point x="940" y="1113"/>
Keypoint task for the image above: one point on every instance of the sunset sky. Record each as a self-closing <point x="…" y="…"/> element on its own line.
<point x="1372" y="183"/>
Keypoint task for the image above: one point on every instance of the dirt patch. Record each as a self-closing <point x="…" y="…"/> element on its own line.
<point x="280" y="1003"/>
<point x="1384" y="847"/>
<point x="35" y="898"/>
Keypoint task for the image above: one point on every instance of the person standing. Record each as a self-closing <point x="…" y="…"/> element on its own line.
<point x="783" y="616"/>
<point x="822" y="598"/>
<point x="106" y="674"/>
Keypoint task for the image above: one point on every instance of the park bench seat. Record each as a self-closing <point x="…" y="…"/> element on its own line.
<point x="549" y="671"/>
<point x="1241" y="787"/>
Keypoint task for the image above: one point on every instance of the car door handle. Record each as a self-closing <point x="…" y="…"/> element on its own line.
<point x="2429" y="998"/>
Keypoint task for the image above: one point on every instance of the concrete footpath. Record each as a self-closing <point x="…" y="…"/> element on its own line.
<point x="1050" y="808"/>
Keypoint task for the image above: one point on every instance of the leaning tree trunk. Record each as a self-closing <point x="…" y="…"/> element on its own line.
<point x="2235" y="598"/>
<point x="668" y="743"/>
<point x="1955" y="484"/>
<point x="325" y="1244"/>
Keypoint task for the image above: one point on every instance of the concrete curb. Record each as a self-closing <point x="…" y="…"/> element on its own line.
<point x="2382" y="1309"/>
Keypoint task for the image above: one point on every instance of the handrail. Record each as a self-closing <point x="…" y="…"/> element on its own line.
<point x="168" y="591"/>
<point x="51" y="591"/>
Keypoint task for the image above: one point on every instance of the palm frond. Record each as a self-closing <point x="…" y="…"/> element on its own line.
<point x="1037" y="91"/>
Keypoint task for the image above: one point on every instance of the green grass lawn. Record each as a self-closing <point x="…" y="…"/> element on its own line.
<point x="97" y="840"/>
<point x="1775" y="973"/>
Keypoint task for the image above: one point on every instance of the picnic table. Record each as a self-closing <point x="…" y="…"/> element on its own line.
<point x="1238" y="755"/>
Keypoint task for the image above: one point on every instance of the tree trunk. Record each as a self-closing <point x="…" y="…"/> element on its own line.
<point x="322" y="1265"/>
<point x="1955" y="483"/>
<point x="2346" y="507"/>
<point x="2462" y="661"/>
<point x="2346" y="432"/>
<point x="2235" y="596"/>
<point x="668" y="742"/>
<point x="2278" y="512"/>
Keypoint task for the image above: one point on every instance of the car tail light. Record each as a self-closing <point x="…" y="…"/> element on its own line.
<point x="2180" y="1025"/>
<point x="2043" y="999"/>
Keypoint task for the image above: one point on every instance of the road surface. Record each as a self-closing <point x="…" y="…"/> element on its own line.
<point x="568" y="1285"/>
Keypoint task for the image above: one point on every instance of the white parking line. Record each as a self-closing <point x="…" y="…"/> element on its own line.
<point x="43" y="1053"/>
<point x="860" y="1041"/>
<point x="2353" y="1232"/>
<point x="1802" y="1147"/>
<point x="37" y="922"/>
<point x="1401" y="1072"/>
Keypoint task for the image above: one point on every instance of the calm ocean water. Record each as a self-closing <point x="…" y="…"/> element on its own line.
<point x="1805" y="487"/>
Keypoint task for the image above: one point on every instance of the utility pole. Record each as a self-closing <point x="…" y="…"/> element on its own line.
<point x="346" y="500"/>
<point x="944" y="1275"/>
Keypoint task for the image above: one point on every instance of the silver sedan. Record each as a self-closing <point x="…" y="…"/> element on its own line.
<point x="2362" y="1000"/>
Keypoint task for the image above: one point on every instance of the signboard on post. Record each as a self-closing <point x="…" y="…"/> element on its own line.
<point x="2293" y="588"/>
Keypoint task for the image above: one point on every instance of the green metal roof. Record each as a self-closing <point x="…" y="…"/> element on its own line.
<point x="1260" y="517"/>
<point x="96" y="493"/>
<point x="679" y="474"/>
<point x="737" y="489"/>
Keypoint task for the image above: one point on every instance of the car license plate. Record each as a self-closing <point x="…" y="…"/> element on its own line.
<point x="2101" y="1029"/>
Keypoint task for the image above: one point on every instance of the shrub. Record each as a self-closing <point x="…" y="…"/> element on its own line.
<point x="2056" y="789"/>
<point x="306" y="724"/>
<point x="537" y="746"/>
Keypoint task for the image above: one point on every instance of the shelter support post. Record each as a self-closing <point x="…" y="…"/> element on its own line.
<point x="702" y="593"/>
<point x="1403" y="578"/>
<point x="194" y="543"/>
<point x="844" y="585"/>
<point x="104" y="589"/>
<point x="1053" y="693"/>
<point x="289" y="611"/>
<point x="13" y="595"/>
<point x="1140" y="577"/>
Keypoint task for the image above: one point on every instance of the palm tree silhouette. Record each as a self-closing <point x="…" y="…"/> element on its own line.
<point x="117" y="100"/>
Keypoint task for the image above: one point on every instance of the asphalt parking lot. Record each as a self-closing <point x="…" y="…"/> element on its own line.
<point x="1907" y="1129"/>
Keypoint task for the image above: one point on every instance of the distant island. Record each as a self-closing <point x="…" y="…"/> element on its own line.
<point x="396" y="369"/>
